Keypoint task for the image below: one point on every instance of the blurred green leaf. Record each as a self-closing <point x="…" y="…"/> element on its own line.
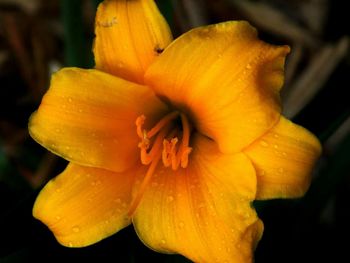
<point x="95" y="3"/>
<point x="166" y="8"/>
<point x="76" y="50"/>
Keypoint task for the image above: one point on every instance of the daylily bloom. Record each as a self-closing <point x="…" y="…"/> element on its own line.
<point x="177" y="137"/>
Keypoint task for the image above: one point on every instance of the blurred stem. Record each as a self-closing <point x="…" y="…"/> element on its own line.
<point x="75" y="46"/>
<point x="326" y="184"/>
<point x="324" y="136"/>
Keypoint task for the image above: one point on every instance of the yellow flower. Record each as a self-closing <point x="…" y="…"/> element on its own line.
<point x="177" y="137"/>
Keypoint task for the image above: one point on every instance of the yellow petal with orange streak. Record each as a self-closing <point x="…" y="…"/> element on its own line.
<point x="129" y="37"/>
<point x="88" y="117"/>
<point x="203" y="211"/>
<point x="284" y="158"/>
<point x="226" y="79"/>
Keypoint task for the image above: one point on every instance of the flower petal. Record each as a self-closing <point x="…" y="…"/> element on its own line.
<point x="226" y="78"/>
<point x="88" y="117"/>
<point x="203" y="211"/>
<point x="284" y="158"/>
<point x="129" y="36"/>
<point x="83" y="205"/>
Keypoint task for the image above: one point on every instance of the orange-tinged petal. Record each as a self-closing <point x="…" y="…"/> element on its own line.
<point x="226" y="79"/>
<point x="88" y="117"/>
<point x="284" y="158"/>
<point x="129" y="36"/>
<point x="203" y="211"/>
<point x="83" y="205"/>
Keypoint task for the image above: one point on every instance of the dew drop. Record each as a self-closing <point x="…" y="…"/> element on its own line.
<point x="67" y="147"/>
<point x="170" y="199"/>
<point x="181" y="224"/>
<point x="248" y="66"/>
<point x="118" y="200"/>
<point x="70" y="99"/>
<point x="275" y="146"/>
<point x="57" y="218"/>
<point x="80" y="110"/>
<point x="264" y="143"/>
<point x="70" y="244"/>
<point x="284" y="153"/>
<point x="58" y="190"/>
<point x="275" y="135"/>
<point x="163" y="241"/>
<point x="76" y="229"/>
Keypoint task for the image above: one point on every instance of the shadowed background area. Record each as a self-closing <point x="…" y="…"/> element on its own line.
<point x="39" y="37"/>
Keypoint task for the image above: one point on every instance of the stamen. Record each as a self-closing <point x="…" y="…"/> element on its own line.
<point x="139" y="123"/>
<point x="164" y="121"/>
<point x="146" y="158"/>
<point x="165" y="146"/>
<point x="185" y="150"/>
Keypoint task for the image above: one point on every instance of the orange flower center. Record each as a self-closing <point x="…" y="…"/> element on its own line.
<point x="166" y="141"/>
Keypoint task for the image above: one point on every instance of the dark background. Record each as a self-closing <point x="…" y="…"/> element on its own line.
<point x="37" y="37"/>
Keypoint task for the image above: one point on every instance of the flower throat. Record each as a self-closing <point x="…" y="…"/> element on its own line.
<point x="166" y="141"/>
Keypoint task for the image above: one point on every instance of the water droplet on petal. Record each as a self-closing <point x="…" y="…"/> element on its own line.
<point x="76" y="229"/>
<point x="264" y="143"/>
<point x="58" y="190"/>
<point x="70" y="244"/>
<point x="181" y="224"/>
<point x="163" y="241"/>
<point x="118" y="200"/>
<point x="248" y="66"/>
<point x="70" y="99"/>
<point x="57" y="218"/>
<point x="275" y="146"/>
<point x="170" y="198"/>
